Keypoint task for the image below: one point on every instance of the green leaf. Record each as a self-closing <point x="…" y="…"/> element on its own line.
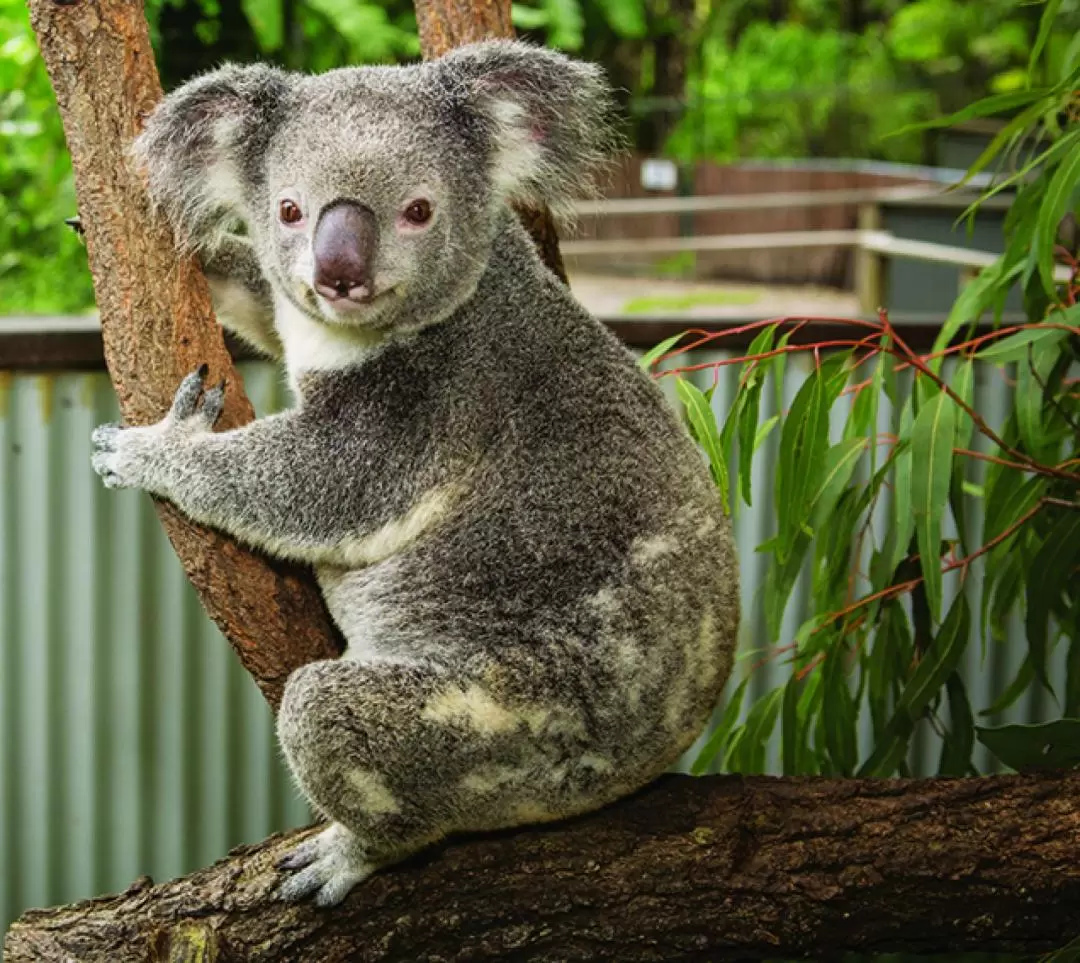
<point x="932" y="438"/>
<point x="841" y="460"/>
<point x="978" y="294"/>
<point x="1016" y="346"/>
<point x="940" y="660"/>
<point x="1072" y="676"/>
<point x="996" y="104"/>
<point x="938" y="663"/>
<point x="1025" y="675"/>
<point x="888" y="666"/>
<point x="1009" y="498"/>
<point x="779" y="368"/>
<point x="1049" y="156"/>
<point x="839" y="714"/>
<point x="839" y="463"/>
<point x="963" y="384"/>
<point x="566" y="24"/>
<point x="654" y="354"/>
<point x="748" y="755"/>
<point x="1046" y="25"/>
<point x="1051" y="570"/>
<point x="723" y="729"/>
<point x="1049" y="745"/>
<point x="1034" y="419"/>
<point x="752" y="385"/>
<point x="1012" y="130"/>
<point x="703" y="425"/>
<point x="804" y="441"/>
<point x="1054" y="207"/>
<point x="903" y="518"/>
<point x="789" y="727"/>
<point x="960" y="739"/>
<point x="765" y="430"/>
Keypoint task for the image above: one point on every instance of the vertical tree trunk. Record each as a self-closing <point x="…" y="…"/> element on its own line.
<point x="445" y="24"/>
<point x="157" y="322"/>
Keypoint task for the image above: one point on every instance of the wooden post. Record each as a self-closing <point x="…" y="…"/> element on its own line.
<point x="869" y="265"/>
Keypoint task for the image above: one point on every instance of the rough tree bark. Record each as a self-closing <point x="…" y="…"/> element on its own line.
<point x="718" y="868"/>
<point x="157" y="321"/>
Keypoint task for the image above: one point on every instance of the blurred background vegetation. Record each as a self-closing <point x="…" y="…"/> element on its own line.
<point x="700" y="79"/>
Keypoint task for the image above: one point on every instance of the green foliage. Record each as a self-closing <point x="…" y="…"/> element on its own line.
<point x="42" y="264"/>
<point x="815" y="84"/>
<point x="875" y="525"/>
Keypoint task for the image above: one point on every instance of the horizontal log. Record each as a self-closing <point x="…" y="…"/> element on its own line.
<point x="715" y="868"/>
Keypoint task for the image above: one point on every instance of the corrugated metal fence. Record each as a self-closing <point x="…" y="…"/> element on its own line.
<point x="130" y="740"/>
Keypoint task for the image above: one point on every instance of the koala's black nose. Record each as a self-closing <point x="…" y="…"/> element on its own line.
<point x="344" y="245"/>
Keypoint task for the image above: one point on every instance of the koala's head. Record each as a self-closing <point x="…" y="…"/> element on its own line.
<point x="372" y="195"/>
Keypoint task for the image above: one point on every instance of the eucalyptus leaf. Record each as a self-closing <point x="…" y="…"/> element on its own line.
<point x="1029" y="748"/>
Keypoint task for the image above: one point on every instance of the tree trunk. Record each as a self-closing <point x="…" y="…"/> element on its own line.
<point x="715" y="868"/>
<point x="445" y="24"/>
<point x="157" y="322"/>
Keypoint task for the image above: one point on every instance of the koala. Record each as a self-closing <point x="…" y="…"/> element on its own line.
<point x="518" y="538"/>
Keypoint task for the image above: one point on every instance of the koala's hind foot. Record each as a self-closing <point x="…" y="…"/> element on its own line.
<point x="327" y="865"/>
<point x="401" y="755"/>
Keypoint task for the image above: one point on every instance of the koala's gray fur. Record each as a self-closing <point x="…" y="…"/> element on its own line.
<point x="519" y="541"/>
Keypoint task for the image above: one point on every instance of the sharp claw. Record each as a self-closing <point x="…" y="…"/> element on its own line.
<point x="300" y="886"/>
<point x="304" y="855"/>
<point x="213" y="403"/>
<point x="187" y="395"/>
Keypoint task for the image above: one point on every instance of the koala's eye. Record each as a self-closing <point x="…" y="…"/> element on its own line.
<point x="289" y="212"/>
<point x="418" y="212"/>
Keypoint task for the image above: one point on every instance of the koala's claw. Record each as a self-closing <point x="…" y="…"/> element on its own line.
<point x="213" y="403"/>
<point x="304" y="855"/>
<point x="328" y="867"/>
<point x="186" y="400"/>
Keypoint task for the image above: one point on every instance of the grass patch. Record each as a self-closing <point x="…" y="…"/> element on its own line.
<point x="691" y="299"/>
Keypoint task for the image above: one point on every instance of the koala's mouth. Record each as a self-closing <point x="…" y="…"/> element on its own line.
<point x="348" y="307"/>
<point x="343" y="311"/>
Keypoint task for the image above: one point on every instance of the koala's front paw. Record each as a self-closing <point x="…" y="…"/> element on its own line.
<point x="121" y="456"/>
<point x="327" y="865"/>
<point x="135" y="457"/>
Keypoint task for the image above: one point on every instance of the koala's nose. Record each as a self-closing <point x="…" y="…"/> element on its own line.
<point x="344" y="245"/>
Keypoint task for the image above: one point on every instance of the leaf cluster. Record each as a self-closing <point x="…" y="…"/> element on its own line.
<point x="882" y="466"/>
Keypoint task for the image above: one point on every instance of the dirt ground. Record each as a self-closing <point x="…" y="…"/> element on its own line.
<point x="607" y="295"/>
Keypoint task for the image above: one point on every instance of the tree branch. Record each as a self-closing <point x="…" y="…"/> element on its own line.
<point x="157" y="322"/>
<point x="715" y="868"/>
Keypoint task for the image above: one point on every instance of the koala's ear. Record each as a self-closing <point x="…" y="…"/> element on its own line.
<point x="202" y="147"/>
<point x="550" y="118"/>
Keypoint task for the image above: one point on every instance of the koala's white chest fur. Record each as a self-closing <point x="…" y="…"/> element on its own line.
<point x="312" y="346"/>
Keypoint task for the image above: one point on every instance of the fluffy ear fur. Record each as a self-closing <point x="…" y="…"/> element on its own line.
<point x="550" y="118"/>
<point x="202" y="145"/>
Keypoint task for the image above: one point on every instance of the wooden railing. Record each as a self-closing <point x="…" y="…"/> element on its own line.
<point x="873" y="246"/>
